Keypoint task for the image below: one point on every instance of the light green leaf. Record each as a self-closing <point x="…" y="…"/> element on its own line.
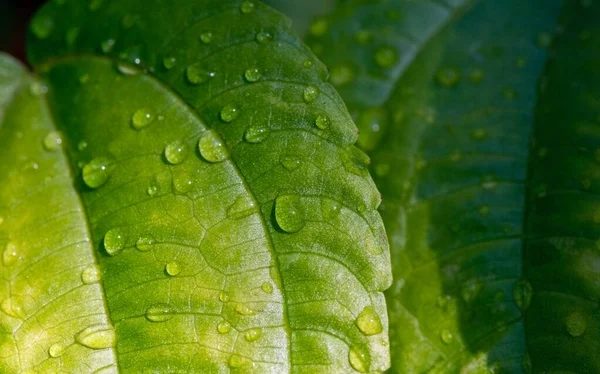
<point x="229" y="229"/>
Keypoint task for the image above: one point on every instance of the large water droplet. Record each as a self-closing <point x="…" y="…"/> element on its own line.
<point x="247" y="6"/>
<point x="252" y="75"/>
<point x="96" y="172"/>
<point x="196" y="74"/>
<point x="114" y="241"/>
<point x="172" y="268"/>
<point x="141" y="118"/>
<point x="368" y="321"/>
<point x="98" y="336"/>
<point x="522" y="293"/>
<point x="256" y="133"/>
<point x="358" y="359"/>
<point x="446" y="336"/>
<point x="176" y="152"/>
<point x="252" y="335"/>
<point x="91" y="274"/>
<point x="386" y="57"/>
<point x="310" y="94"/>
<point x="42" y="26"/>
<point x="144" y="243"/>
<point x="243" y="206"/>
<point x="56" y="350"/>
<point x="224" y="327"/>
<point x="448" y="77"/>
<point x="229" y="113"/>
<point x="159" y="313"/>
<point x="289" y="213"/>
<point x="576" y="324"/>
<point x="10" y="255"/>
<point x="211" y="147"/>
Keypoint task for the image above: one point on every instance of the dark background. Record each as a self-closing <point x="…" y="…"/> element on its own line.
<point x="14" y="18"/>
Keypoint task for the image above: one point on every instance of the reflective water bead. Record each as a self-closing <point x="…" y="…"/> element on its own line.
<point x="289" y="213"/>
<point x="229" y="113"/>
<point x="176" y="152"/>
<point x="96" y="172"/>
<point x="141" y="118"/>
<point x="211" y="147"/>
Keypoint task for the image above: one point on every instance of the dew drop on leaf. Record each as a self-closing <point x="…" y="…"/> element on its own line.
<point x="169" y="62"/>
<point x="368" y="322"/>
<point x="289" y="213"/>
<point x="252" y="75"/>
<point x="42" y="26"/>
<point x="522" y="293"/>
<point x="264" y="37"/>
<point x="144" y="243"/>
<point x="355" y="161"/>
<point x="448" y="77"/>
<point x="107" y="45"/>
<point x="152" y="190"/>
<point x="229" y="113"/>
<point x="98" y="336"/>
<point x="173" y="269"/>
<point x="289" y="162"/>
<point x="310" y="94"/>
<point x="223" y="296"/>
<point x="358" y="359"/>
<point x="224" y="327"/>
<point x="267" y="287"/>
<point x="322" y="122"/>
<point x="206" y="37"/>
<point x="159" y="313"/>
<point x="37" y="88"/>
<point x="252" y="335"/>
<point x="114" y="241"/>
<point x="307" y="64"/>
<point x="470" y="290"/>
<point x="141" y="118"/>
<point x="576" y="324"/>
<point x="446" y="336"/>
<point x="256" y="133"/>
<point x="96" y="172"/>
<point x="386" y="57"/>
<point x="56" y="350"/>
<point x="10" y="255"/>
<point x="330" y="209"/>
<point x="237" y="361"/>
<point x="176" y="152"/>
<point x="243" y="206"/>
<point x="91" y="274"/>
<point x="211" y="147"/>
<point x="247" y="6"/>
<point x="244" y="310"/>
<point x="196" y="74"/>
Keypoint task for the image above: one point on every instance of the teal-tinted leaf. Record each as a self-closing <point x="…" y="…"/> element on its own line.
<point x="302" y="12"/>
<point x="220" y="227"/>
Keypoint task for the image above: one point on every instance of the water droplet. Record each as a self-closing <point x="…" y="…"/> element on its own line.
<point x="243" y="206"/>
<point x="247" y="6"/>
<point x="114" y="241"/>
<point x="319" y="27"/>
<point x="52" y="141"/>
<point x="12" y="308"/>
<point x="56" y="350"/>
<point x="477" y="75"/>
<point x="289" y="213"/>
<point x="358" y="359"/>
<point x="448" y="77"/>
<point x="10" y="254"/>
<point x="368" y="321"/>
<point x="211" y="147"/>
<point x="196" y="74"/>
<point x="442" y="301"/>
<point x="264" y="37"/>
<point x="256" y="134"/>
<point x="322" y="122"/>
<point x="127" y="69"/>
<point x="144" y="243"/>
<point x="229" y="113"/>
<point x="141" y="118"/>
<point x="182" y="183"/>
<point x="386" y="57"/>
<point x="91" y="274"/>
<point x="176" y="152"/>
<point x="576" y="324"/>
<point x="544" y="39"/>
<point x="224" y="327"/>
<point x="173" y="269"/>
<point x="522" y="292"/>
<point x="206" y="37"/>
<point x="330" y="209"/>
<point x="446" y="336"/>
<point x="341" y="74"/>
<point x="355" y="161"/>
<point x="237" y="361"/>
<point x="470" y="290"/>
<point x="289" y="162"/>
<point x="42" y="25"/>
<point x="82" y="145"/>
<point x="159" y="313"/>
<point x="484" y="210"/>
<point x="96" y="172"/>
<point x="98" y="336"/>
<point x="307" y="64"/>
<point x="169" y="62"/>
<point x="244" y="310"/>
<point x="373" y="248"/>
<point x="223" y="296"/>
<point x="310" y="94"/>
<point x="479" y="134"/>
<point x="71" y="35"/>
<point x="267" y="287"/>
<point x="37" y="89"/>
<point x="152" y="190"/>
<point x="107" y="45"/>
<point x="95" y="4"/>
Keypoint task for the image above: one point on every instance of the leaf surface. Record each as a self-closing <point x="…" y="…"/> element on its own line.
<point x="232" y="219"/>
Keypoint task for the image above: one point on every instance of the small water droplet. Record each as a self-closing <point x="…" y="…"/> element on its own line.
<point x="264" y="37"/>
<point x="176" y="152"/>
<point x="196" y="74"/>
<point x="56" y="350"/>
<point x="243" y="206"/>
<point x="159" y="313"/>
<point x="42" y="25"/>
<point x="52" y="141"/>
<point x="224" y="327"/>
<point x="446" y="336"/>
<point x="247" y="7"/>
<point x="82" y="145"/>
<point x="12" y="308"/>
<point x="244" y="310"/>
<point x="358" y="359"/>
<point x="522" y="293"/>
<point x="144" y="243"/>
<point x="544" y="39"/>
<point x="206" y="37"/>
<point x="307" y="64"/>
<point x="470" y="290"/>
<point x="330" y="209"/>
<point x="223" y="296"/>
<point x="477" y="75"/>
<point x="172" y="269"/>
<point x="229" y="113"/>
<point x="289" y="162"/>
<point x="576" y="324"/>
<point x="10" y="254"/>
<point x="386" y="57"/>
<point x="141" y="118"/>
<point x="252" y="335"/>
<point x="152" y="190"/>
<point x="310" y="94"/>
<point x="96" y="172"/>
<point x="114" y="241"/>
<point x="182" y="183"/>
<point x="107" y="45"/>
<point x="322" y="122"/>
<point x="211" y="147"/>
<point x="256" y="134"/>
<point x="341" y="74"/>
<point x="368" y="321"/>
<point x="169" y="62"/>
<point x="237" y="361"/>
<point x="267" y="287"/>
<point x="98" y="336"/>
<point x="37" y="89"/>
<point x="91" y="274"/>
<point x="252" y="75"/>
<point x="319" y="27"/>
<point x="479" y="134"/>
<point x="448" y="77"/>
<point x="289" y="213"/>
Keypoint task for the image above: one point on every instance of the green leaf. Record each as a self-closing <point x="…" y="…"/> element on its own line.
<point x="302" y="12"/>
<point x="204" y="202"/>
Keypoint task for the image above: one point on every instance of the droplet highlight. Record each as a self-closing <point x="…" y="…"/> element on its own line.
<point x="368" y="322"/>
<point x="159" y="313"/>
<point x="98" y="336"/>
<point x="114" y="241"/>
<point x="176" y="152"/>
<point x="212" y="148"/>
<point x="96" y="172"/>
<point x="289" y="213"/>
